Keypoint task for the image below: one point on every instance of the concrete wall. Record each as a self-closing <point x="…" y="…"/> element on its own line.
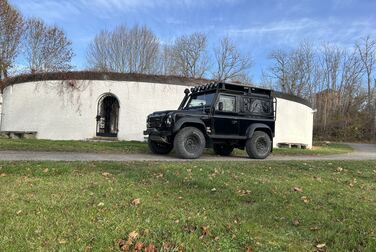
<point x="67" y="110"/>
<point x="66" y="113"/>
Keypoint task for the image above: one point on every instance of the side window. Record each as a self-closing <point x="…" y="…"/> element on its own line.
<point x="257" y="106"/>
<point x="228" y="102"/>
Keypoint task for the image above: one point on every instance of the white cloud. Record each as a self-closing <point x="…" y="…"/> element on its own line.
<point x="291" y="32"/>
<point x="48" y="10"/>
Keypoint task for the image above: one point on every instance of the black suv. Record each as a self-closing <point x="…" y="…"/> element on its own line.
<point x="219" y="115"/>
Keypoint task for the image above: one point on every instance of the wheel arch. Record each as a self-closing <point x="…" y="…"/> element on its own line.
<point x="190" y="122"/>
<point x="259" y="127"/>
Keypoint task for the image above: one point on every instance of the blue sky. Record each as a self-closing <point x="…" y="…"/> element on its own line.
<point x="256" y="26"/>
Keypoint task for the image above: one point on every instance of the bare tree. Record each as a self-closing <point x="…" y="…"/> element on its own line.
<point x="167" y="65"/>
<point x="366" y="48"/>
<point x="125" y="50"/>
<point x="46" y="48"/>
<point x="295" y="71"/>
<point x="231" y="65"/>
<point x="189" y="55"/>
<point x="367" y="52"/>
<point x="11" y="29"/>
<point x="340" y="97"/>
<point x="98" y="54"/>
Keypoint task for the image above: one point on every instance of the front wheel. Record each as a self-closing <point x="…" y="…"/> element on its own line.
<point x="259" y="145"/>
<point x="159" y="148"/>
<point x="189" y="143"/>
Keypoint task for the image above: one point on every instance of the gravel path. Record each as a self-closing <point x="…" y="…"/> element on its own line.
<point x="361" y="152"/>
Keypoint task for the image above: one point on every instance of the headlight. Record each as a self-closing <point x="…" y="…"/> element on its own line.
<point x="169" y="120"/>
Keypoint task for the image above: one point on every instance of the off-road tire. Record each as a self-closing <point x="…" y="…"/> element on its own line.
<point x="159" y="148"/>
<point x="259" y="145"/>
<point x="189" y="143"/>
<point x="223" y="149"/>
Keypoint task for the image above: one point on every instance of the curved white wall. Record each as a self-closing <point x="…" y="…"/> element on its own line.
<point x="57" y="110"/>
<point x="294" y="123"/>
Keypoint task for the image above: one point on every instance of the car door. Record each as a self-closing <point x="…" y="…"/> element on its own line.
<point x="225" y="118"/>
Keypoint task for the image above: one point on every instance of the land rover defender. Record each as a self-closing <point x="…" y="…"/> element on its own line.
<point x="220" y="115"/>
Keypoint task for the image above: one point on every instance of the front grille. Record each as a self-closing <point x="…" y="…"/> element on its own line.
<point x="155" y="122"/>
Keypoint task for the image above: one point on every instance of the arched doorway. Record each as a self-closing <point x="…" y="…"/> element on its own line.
<point x="108" y="116"/>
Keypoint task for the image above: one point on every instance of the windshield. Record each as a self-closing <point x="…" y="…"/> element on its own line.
<point x="200" y="100"/>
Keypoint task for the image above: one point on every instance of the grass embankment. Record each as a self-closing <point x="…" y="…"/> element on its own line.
<point x="201" y="206"/>
<point x="128" y="147"/>
<point x="121" y="147"/>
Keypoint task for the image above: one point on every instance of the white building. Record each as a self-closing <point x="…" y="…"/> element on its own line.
<point x="79" y="106"/>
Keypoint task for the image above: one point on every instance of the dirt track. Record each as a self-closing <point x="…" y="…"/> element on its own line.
<point x="361" y="152"/>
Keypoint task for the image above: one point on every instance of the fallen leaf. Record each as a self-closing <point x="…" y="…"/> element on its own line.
<point x="124" y="245"/>
<point x="132" y="235"/>
<point x="150" y="248"/>
<point x="296" y="222"/>
<point x="319" y="246"/>
<point x="62" y="241"/>
<point x="315" y="228"/>
<point x="166" y="246"/>
<point x="136" y="202"/>
<point x="2" y="174"/>
<point x="45" y="170"/>
<point x="298" y="189"/>
<point x="339" y="169"/>
<point x="213" y="189"/>
<point x="205" y="231"/>
<point x="138" y="246"/>
<point x="317" y="178"/>
<point x="216" y="238"/>
<point x="244" y="192"/>
<point x="249" y="249"/>
<point x="19" y="212"/>
<point x="101" y="204"/>
<point x="106" y="174"/>
<point x="305" y="199"/>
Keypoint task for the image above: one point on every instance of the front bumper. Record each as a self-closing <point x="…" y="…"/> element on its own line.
<point x="156" y="135"/>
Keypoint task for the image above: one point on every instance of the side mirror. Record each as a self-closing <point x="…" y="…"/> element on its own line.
<point x="220" y="106"/>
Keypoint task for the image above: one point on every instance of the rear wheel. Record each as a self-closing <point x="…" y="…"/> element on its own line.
<point x="259" y="145"/>
<point x="189" y="143"/>
<point x="159" y="148"/>
<point x="223" y="149"/>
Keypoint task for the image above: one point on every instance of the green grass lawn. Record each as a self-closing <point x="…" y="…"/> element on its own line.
<point x="127" y="147"/>
<point x="319" y="148"/>
<point x="199" y="206"/>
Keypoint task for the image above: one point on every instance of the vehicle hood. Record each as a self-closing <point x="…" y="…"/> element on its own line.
<point x="164" y="113"/>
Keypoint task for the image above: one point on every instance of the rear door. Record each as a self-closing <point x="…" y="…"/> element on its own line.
<point x="254" y="110"/>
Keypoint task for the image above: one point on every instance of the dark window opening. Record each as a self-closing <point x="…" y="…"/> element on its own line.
<point x="228" y="103"/>
<point x="200" y="100"/>
<point x="108" y="116"/>
<point x="257" y="106"/>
